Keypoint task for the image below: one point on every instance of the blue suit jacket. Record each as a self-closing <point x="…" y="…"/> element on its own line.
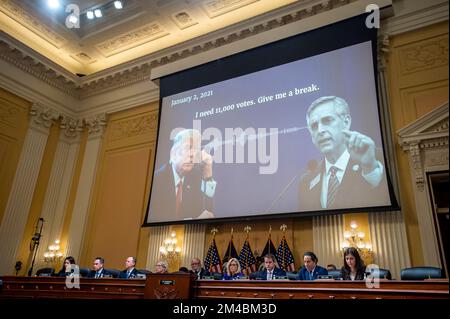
<point x="318" y="271"/>
<point x="123" y="274"/>
<point x="277" y="272"/>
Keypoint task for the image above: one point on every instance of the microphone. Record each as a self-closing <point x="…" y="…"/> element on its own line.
<point x="18" y="266"/>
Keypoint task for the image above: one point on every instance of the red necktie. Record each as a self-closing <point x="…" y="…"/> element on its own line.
<point x="179" y="196"/>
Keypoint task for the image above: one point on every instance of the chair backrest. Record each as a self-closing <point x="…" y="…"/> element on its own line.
<point x="420" y="273"/>
<point x="336" y="274"/>
<point x="379" y="273"/>
<point x="45" y="272"/>
<point x="144" y="271"/>
<point x="292" y="275"/>
<point x="84" y="272"/>
<point x="217" y="275"/>
<point x="115" y="272"/>
<point x="253" y="275"/>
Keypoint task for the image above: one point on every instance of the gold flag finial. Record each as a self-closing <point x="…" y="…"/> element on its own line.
<point x="247" y="229"/>
<point x="283" y="228"/>
<point x="214" y="231"/>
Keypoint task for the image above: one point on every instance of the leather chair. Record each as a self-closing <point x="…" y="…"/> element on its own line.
<point x="45" y="272"/>
<point x="421" y="273"/>
<point x="115" y="273"/>
<point x="84" y="272"/>
<point x="292" y="275"/>
<point x="380" y="273"/>
<point x="144" y="271"/>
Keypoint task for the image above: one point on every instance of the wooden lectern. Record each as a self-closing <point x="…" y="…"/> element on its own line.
<point x="169" y="286"/>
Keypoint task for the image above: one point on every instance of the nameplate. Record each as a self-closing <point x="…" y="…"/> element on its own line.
<point x="167" y="282"/>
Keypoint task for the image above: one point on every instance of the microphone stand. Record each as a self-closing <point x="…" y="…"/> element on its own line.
<point x="34" y="245"/>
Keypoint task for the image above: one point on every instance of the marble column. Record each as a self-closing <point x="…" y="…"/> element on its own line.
<point x="58" y="189"/>
<point x="23" y="187"/>
<point x="96" y="127"/>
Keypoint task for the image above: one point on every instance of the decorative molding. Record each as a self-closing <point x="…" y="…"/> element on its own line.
<point x="134" y="127"/>
<point x="72" y="127"/>
<point x="147" y="33"/>
<point x="383" y="51"/>
<point x="427" y="55"/>
<point x="96" y="124"/>
<point x="426" y="140"/>
<point x="423" y="17"/>
<point x="32" y="23"/>
<point x="428" y="132"/>
<point x="437" y="157"/>
<point x="414" y="153"/>
<point x="183" y="19"/>
<point x="43" y="116"/>
<point x="215" y="8"/>
<point x="54" y="75"/>
<point x="139" y="70"/>
<point x="9" y="115"/>
<point x="83" y="58"/>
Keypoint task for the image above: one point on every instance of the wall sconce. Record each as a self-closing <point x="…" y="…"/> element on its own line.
<point x="53" y="254"/>
<point x="355" y="238"/>
<point x="169" y="251"/>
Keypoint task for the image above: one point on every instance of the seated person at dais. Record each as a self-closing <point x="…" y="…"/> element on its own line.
<point x="162" y="267"/>
<point x="311" y="270"/>
<point x="233" y="270"/>
<point x="97" y="269"/>
<point x="271" y="271"/>
<point x="130" y="270"/>
<point x="354" y="268"/>
<point x="66" y="269"/>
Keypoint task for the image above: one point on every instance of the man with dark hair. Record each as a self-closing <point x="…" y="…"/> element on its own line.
<point x="271" y="271"/>
<point x="311" y="270"/>
<point x="130" y="270"/>
<point x="350" y="164"/>
<point x="97" y="269"/>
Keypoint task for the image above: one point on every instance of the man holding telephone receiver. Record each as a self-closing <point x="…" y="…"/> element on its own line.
<point x="187" y="179"/>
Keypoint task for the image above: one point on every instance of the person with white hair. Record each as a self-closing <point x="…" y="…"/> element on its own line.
<point x="350" y="164"/>
<point x="185" y="186"/>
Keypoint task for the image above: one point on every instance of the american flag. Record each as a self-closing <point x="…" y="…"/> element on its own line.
<point x="284" y="256"/>
<point x="212" y="261"/>
<point x="269" y="248"/>
<point x="230" y="252"/>
<point x="247" y="259"/>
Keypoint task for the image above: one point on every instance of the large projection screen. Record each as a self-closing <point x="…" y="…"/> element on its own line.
<point x="299" y="135"/>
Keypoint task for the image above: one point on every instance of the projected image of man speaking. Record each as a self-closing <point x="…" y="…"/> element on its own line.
<point x="350" y="174"/>
<point x="184" y="187"/>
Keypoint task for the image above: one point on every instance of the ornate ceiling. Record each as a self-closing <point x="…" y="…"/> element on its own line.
<point x="141" y="28"/>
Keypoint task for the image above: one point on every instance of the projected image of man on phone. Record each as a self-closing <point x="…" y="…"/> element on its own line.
<point x="185" y="187"/>
<point x="351" y="174"/>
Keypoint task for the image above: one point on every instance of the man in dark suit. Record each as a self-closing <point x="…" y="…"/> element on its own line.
<point x="350" y="175"/>
<point x="197" y="268"/>
<point x="98" y="271"/>
<point x="130" y="270"/>
<point x="311" y="270"/>
<point x="184" y="187"/>
<point x="270" y="271"/>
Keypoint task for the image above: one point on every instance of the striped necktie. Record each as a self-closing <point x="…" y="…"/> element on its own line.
<point x="333" y="185"/>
